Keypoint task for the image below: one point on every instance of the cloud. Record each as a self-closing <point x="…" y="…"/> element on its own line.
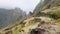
<point x="26" y="5"/>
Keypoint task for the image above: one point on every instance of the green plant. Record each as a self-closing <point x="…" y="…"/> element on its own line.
<point x="54" y="15"/>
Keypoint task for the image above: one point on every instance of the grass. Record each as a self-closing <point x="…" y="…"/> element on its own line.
<point x="35" y="20"/>
<point x="54" y="14"/>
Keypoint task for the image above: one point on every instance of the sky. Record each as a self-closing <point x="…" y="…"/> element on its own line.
<point x="26" y="5"/>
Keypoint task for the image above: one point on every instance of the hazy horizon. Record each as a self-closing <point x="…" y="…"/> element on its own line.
<point x="26" y="5"/>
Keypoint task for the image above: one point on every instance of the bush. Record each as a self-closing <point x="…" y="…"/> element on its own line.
<point x="54" y="15"/>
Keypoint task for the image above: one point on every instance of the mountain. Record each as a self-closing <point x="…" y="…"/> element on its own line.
<point x="44" y="20"/>
<point x="46" y="4"/>
<point x="10" y="16"/>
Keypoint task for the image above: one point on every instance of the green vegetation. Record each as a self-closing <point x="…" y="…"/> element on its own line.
<point x="20" y="25"/>
<point x="54" y="14"/>
<point x="46" y="4"/>
<point x="35" y="20"/>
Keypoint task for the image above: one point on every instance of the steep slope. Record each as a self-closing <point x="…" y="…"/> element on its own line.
<point x="47" y="21"/>
<point x="10" y="16"/>
<point x="30" y="24"/>
<point x="46" y="4"/>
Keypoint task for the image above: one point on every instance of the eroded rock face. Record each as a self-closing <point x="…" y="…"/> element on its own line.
<point x="50" y="28"/>
<point x="37" y="31"/>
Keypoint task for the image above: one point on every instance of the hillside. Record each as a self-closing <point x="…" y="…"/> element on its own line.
<point x="45" y="20"/>
<point x="10" y="16"/>
<point x="46" y="4"/>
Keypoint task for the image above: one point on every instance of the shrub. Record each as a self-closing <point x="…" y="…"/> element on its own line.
<point x="54" y="15"/>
